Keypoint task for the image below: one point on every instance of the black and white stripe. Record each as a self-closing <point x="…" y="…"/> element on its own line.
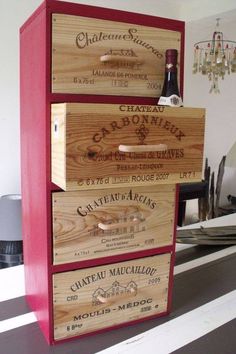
<point x="202" y="320"/>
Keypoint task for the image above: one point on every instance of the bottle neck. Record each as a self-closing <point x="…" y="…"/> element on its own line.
<point x="170" y="92"/>
<point x="170" y="86"/>
<point x="170" y="95"/>
<point x="170" y="67"/>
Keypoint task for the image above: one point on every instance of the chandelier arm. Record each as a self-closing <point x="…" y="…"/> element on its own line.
<point x="214" y="58"/>
<point x="210" y="40"/>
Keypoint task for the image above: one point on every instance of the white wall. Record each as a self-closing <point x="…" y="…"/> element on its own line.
<point x="220" y="132"/>
<point x="12" y="14"/>
<point x="196" y="9"/>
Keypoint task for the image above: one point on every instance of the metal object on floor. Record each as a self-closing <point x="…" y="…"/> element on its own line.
<point x="11" y="245"/>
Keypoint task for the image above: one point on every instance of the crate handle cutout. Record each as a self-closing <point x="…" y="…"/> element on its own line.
<point x="105" y="227"/>
<point x="56" y="128"/>
<point x="142" y="148"/>
<point x="107" y="300"/>
<point x="114" y="58"/>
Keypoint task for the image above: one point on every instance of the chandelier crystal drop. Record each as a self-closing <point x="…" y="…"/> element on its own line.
<point x="215" y="58"/>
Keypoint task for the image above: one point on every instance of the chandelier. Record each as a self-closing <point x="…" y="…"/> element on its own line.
<point x="215" y="58"/>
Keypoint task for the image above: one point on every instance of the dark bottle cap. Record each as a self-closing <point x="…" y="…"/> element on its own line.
<point x="171" y="56"/>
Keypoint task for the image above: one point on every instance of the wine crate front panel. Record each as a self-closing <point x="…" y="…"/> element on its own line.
<point x="103" y="145"/>
<point x="94" y="56"/>
<point x="99" y="223"/>
<point x="91" y="299"/>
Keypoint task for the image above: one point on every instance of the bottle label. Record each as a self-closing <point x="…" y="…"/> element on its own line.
<point x="172" y="101"/>
<point x="170" y="67"/>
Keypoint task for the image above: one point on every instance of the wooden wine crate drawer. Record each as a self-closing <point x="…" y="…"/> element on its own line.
<point x="100" y="223"/>
<point x="95" y="56"/>
<point x="107" y="145"/>
<point x="91" y="299"/>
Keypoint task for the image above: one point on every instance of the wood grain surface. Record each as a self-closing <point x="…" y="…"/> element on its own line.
<point x="87" y="138"/>
<point x="94" y="56"/>
<point x="90" y="299"/>
<point x="77" y="215"/>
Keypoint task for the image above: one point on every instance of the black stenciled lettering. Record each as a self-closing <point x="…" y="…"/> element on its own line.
<point x="81" y="40"/>
<point x="88" y="280"/>
<point x="96" y="204"/>
<point x="154" y="120"/>
<point x="130" y="108"/>
<point x="166" y="125"/>
<point x="115" y="125"/>
<point x="145" y="119"/>
<point x="97" y="138"/>
<point x="131" y="32"/>
<point x="104" y="132"/>
<point x="135" y="119"/>
<point x="112" y="198"/>
<point x="136" y="197"/>
<point x="173" y="129"/>
<point x="153" y="205"/>
<point x="81" y="212"/>
<point x="84" y="39"/>
<point x="125" y="121"/>
<point x="180" y="135"/>
<point x="140" y="199"/>
<point x="122" y="108"/>
<point x="106" y="199"/>
<point x="89" y="207"/>
<point x="130" y="195"/>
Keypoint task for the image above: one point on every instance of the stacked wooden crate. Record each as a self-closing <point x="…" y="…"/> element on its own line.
<point x="100" y="164"/>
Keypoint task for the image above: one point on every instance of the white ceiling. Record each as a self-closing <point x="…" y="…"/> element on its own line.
<point x="190" y="10"/>
<point x="185" y="10"/>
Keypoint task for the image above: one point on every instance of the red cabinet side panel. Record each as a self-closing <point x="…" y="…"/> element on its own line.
<point x="35" y="167"/>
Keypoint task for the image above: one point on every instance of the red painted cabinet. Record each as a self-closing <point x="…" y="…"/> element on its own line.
<point x="76" y="53"/>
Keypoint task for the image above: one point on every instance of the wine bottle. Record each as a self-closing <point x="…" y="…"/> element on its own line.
<point x="170" y="92"/>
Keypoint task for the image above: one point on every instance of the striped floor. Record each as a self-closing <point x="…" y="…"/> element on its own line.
<point x="202" y="321"/>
